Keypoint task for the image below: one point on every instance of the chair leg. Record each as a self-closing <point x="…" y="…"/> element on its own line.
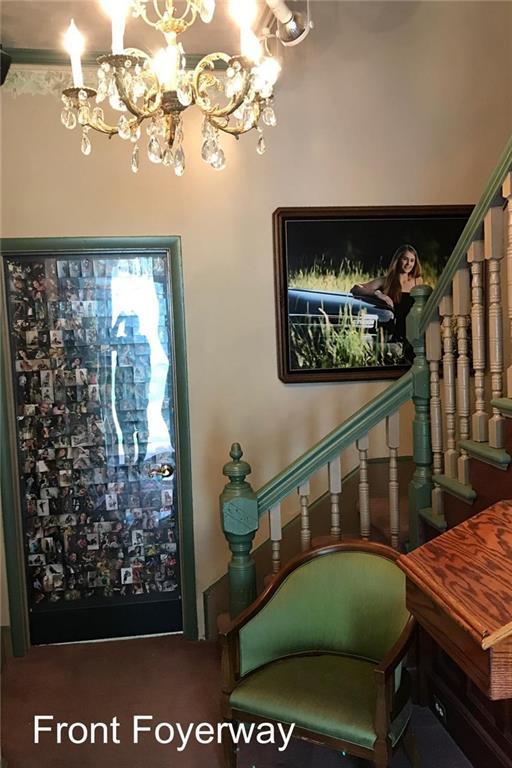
<point x="382" y="756"/>
<point x="228" y="748"/>
<point x="410" y="748"/>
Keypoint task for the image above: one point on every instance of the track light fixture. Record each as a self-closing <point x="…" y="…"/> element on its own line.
<point x="292" y="26"/>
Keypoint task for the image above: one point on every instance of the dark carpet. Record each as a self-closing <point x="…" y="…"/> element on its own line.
<point x="172" y="679"/>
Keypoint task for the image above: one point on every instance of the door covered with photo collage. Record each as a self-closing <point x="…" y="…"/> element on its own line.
<point x="92" y="353"/>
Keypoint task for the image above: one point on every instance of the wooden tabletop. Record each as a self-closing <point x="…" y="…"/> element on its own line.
<point x="467" y="571"/>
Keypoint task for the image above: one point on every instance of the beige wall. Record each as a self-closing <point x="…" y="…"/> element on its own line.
<point x="385" y="103"/>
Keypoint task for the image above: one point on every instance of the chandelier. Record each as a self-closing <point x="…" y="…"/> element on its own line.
<point x="235" y="93"/>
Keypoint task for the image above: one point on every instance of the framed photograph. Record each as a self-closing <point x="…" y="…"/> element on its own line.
<point x="343" y="278"/>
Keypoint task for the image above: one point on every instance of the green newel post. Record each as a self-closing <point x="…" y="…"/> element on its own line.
<point x="420" y="487"/>
<point x="239" y="516"/>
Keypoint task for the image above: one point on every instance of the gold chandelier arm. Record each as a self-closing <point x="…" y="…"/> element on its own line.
<point x="110" y="130"/>
<point x="157" y="9"/>
<point x="202" y="72"/>
<point x="102" y="127"/>
<point x="146" y="20"/>
<point x="166" y="21"/>
<point x="141" y="12"/>
<point x="130" y="105"/>
<point x="223" y="123"/>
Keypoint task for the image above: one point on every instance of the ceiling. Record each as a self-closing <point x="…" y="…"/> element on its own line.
<point x="40" y="24"/>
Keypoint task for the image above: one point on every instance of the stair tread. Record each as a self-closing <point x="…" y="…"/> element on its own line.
<point x="450" y="484"/>
<point x="497" y="457"/>
<point x="504" y="404"/>
<point x="436" y="521"/>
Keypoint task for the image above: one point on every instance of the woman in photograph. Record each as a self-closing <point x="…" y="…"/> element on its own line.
<point x="394" y="289"/>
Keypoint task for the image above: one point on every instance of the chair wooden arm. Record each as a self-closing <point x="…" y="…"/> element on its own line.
<point x="385" y="679"/>
<point x="395" y="655"/>
<point x="230" y="667"/>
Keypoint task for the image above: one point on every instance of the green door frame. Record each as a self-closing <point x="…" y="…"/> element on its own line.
<point x="9" y="471"/>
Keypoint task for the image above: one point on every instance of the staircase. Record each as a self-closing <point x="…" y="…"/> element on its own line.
<point x="461" y="388"/>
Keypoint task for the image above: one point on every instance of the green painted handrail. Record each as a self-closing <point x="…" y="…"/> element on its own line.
<point x="331" y="445"/>
<point x="492" y="190"/>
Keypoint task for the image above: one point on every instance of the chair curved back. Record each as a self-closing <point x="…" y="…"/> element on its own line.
<point x="340" y="601"/>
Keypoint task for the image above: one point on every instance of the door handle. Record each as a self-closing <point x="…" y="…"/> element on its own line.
<point x="164" y="470"/>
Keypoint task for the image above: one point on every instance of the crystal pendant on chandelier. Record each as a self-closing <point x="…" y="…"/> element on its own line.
<point x="219" y="161"/>
<point x="269" y="116"/>
<point x="83" y="115"/>
<point x="85" y="145"/>
<point x="167" y="157"/>
<point x="123" y="127"/>
<point x="154" y="150"/>
<point x="68" y="119"/>
<point x="207" y="150"/>
<point x="179" y="161"/>
<point x="184" y="94"/>
<point x="97" y="114"/>
<point x="261" y="147"/>
<point x="135" y="159"/>
<point x="233" y="92"/>
<point x="102" y="91"/>
<point x="234" y="83"/>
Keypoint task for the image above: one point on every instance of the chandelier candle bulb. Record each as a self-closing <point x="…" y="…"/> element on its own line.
<point x="117" y="10"/>
<point x="243" y="12"/>
<point x="74" y="45"/>
<point x="165" y="65"/>
<point x="250" y="45"/>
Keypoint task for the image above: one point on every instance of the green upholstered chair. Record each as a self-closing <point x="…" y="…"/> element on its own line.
<point x="322" y="647"/>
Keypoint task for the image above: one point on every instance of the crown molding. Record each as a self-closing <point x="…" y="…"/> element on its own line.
<point x="52" y="58"/>
<point x="44" y="72"/>
<point x="27" y="81"/>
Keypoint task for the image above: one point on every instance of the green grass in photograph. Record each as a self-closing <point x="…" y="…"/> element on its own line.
<point x="318" y="279"/>
<point x="349" y="274"/>
<point x="319" y="344"/>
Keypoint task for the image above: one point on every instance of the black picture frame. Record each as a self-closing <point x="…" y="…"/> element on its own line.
<point x="336" y="335"/>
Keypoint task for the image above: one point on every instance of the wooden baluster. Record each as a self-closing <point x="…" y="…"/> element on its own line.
<point x="480" y="419"/>
<point x="434" y="354"/>
<point x="494" y="252"/>
<point x="364" y="488"/>
<point x="276" y="534"/>
<point x="507" y="193"/>
<point x="334" y="468"/>
<point x="450" y="454"/>
<point x="305" y="530"/>
<point x="461" y="310"/>
<point x="393" y="443"/>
